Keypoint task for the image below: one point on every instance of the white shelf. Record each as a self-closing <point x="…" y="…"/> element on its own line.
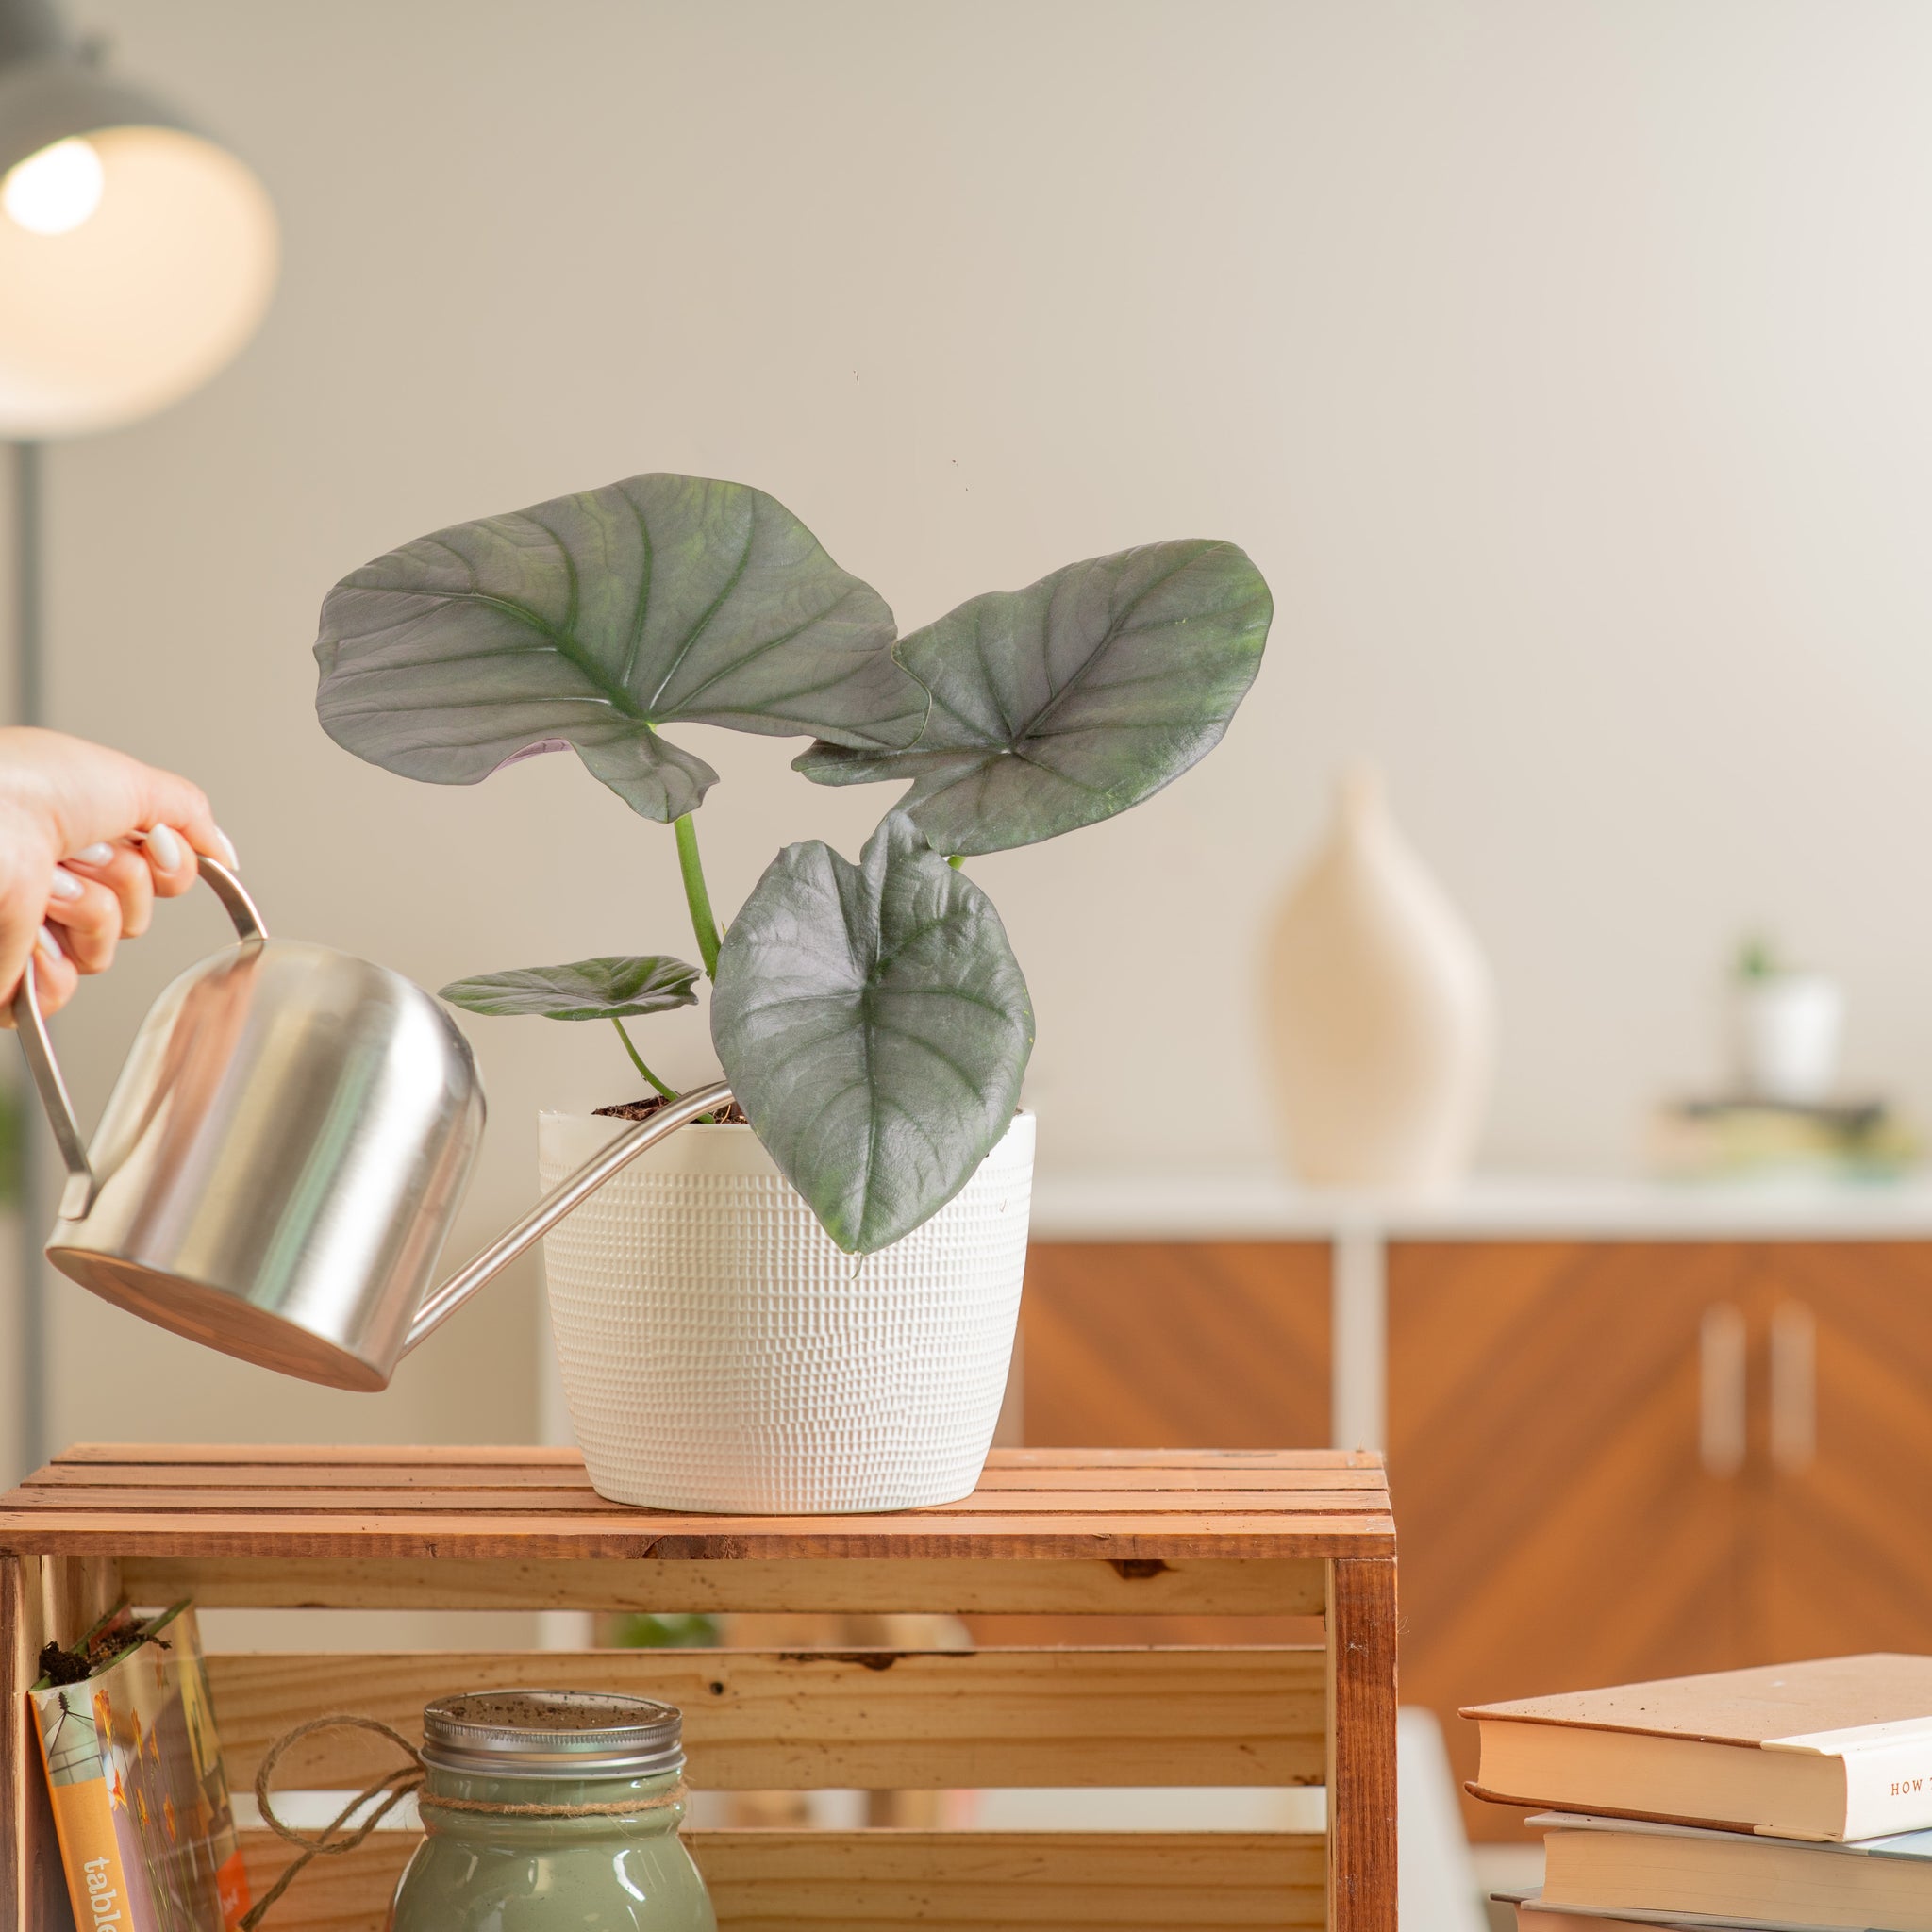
<point x="1258" y="1207"/>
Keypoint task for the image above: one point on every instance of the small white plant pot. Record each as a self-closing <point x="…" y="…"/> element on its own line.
<point x="720" y="1352"/>
<point x="1788" y="1036"/>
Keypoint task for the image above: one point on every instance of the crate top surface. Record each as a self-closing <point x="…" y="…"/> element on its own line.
<point x="496" y="1501"/>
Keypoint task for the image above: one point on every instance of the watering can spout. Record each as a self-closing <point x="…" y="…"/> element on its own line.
<point x="283" y="1155"/>
<point x="440" y="1304"/>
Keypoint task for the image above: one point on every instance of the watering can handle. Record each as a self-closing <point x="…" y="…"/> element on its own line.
<point x="442" y="1303"/>
<point x="77" y="1198"/>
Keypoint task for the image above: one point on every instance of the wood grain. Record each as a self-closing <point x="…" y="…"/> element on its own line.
<point x="1251" y="1534"/>
<point x="953" y="1587"/>
<point x="1834" y="1557"/>
<point x="895" y="1881"/>
<point x="874" y="1720"/>
<point x="1147" y="1343"/>
<point x="474" y="1513"/>
<point x="33" y="1888"/>
<point x="1558" y="1529"/>
<point x="1361" y="1746"/>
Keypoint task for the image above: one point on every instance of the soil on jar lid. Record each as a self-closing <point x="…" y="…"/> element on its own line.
<point x="729" y="1115"/>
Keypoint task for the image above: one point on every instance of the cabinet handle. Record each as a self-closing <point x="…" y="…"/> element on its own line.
<point x="1720" y="1388"/>
<point x="1793" y="1388"/>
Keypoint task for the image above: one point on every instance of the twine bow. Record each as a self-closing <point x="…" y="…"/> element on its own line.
<point x="392" y="1788"/>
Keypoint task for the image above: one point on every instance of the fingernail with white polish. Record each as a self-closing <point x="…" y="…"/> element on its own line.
<point x="228" y="846"/>
<point x="48" y="945"/>
<point x="65" y="886"/>
<point x="97" y="853"/>
<point x="166" y="848"/>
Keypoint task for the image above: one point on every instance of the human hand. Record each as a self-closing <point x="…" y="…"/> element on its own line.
<point x="89" y="838"/>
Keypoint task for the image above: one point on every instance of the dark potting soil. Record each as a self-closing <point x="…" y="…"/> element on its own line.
<point x="729" y="1115"/>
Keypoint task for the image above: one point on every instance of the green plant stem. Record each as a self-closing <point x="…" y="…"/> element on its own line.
<point x="636" y="1059"/>
<point x="696" y="895"/>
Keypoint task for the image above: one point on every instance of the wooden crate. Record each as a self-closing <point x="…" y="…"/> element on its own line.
<point x="1048" y="1532"/>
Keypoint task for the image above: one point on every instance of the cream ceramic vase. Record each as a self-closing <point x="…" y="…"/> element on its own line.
<point x="1379" y="1012"/>
<point x="719" y="1352"/>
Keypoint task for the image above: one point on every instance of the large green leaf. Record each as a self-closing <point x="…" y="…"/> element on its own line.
<point x="610" y="988"/>
<point x="1062" y="704"/>
<point x="593" y="620"/>
<point x="873" y="1024"/>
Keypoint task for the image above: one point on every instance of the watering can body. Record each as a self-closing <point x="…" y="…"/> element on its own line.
<point x="281" y="1159"/>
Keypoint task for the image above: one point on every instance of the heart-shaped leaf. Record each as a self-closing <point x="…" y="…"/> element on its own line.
<point x="612" y="988"/>
<point x="873" y="1024"/>
<point x="1059" y="704"/>
<point x="594" y="620"/>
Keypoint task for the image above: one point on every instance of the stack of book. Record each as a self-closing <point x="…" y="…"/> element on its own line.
<point x="1797" y="1798"/>
<point x="1747" y="1139"/>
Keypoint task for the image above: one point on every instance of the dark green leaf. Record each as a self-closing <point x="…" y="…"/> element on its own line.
<point x="1060" y="705"/>
<point x="873" y="1024"/>
<point x="593" y="620"/>
<point x="612" y="988"/>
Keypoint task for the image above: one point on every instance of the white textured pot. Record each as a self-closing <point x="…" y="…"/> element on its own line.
<point x="720" y="1352"/>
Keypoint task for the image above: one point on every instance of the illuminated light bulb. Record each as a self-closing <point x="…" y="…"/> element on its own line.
<point x="55" y="190"/>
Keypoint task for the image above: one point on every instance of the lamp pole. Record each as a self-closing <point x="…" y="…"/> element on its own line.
<point x="200" y="261"/>
<point x="29" y="708"/>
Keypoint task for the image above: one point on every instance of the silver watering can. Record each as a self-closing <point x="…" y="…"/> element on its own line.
<point x="282" y="1156"/>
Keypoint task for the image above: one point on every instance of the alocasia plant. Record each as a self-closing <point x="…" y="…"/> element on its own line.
<point x="871" y="1018"/>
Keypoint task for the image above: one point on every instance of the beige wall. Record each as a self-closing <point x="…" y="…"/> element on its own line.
<point x="1563" y="365"/>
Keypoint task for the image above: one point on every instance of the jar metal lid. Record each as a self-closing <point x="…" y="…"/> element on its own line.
<point x="551" y="1734"/>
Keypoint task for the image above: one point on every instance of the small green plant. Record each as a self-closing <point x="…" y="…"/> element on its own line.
<point x="871" y="1018"/>
<point x="1758" y="959"/>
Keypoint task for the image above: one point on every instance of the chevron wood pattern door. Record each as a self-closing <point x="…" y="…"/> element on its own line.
<point x="1559" y="1528"/>
<point x="1840" y="1559"/>
<point x="1182" y="1344"/>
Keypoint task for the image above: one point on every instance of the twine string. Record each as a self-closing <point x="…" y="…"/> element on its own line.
<point x="392" y="1787"/>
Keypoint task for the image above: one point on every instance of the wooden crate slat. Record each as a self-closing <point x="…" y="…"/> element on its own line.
<point x="1136" y="1539"/>
<point x="1361" y="1742"/>
<point x="351" y="1892"/>
<point x="282" y="1455"/>
<point x="896" y="1881"/>
<point x="33" y="1893"/>
<point x="1038" y="1488"/>
<point x="869" y="1720"/>
<point x="416" y="1503"/>
<point x="1056" y="1510"/>
<point x="953" y="1586"/>
<point x="323" y="1456"/>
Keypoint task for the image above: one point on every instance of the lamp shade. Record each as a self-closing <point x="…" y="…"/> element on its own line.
<point x="137" y="256"/>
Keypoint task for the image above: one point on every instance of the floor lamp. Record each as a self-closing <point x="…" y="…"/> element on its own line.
<point x="136" y="259"/>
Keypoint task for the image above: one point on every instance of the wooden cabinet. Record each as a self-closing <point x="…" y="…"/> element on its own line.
<point x="1629" y="1459"/>
<point x="1561" y="1529"/>
<point x="1159" y="1344"/>
<point x="1841" y="1472"/>
<point x="1611" y="1457"/>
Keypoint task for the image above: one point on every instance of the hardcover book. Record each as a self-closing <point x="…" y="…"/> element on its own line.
<point x="1533" y="1915"/>
<point x="134" y="1769"/>
<point x="1685" y="1874"/>
<point x="1837" y="1749"/>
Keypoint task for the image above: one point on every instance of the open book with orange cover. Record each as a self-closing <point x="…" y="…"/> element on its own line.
<point x="134" y="1769"/>
<point x="1836" y="1749"/>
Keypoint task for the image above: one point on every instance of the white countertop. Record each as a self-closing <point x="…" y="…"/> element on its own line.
<point x="1256" y="1206"/>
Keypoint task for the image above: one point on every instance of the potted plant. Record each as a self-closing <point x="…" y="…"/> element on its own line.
<point x="1787" y="1024"/>
<point x="813" y="1310"/>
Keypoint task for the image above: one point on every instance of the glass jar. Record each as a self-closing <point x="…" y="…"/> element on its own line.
<point x="482" y="1870"/>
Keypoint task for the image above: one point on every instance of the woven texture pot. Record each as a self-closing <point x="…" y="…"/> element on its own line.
<point x="720" y="1352"/>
